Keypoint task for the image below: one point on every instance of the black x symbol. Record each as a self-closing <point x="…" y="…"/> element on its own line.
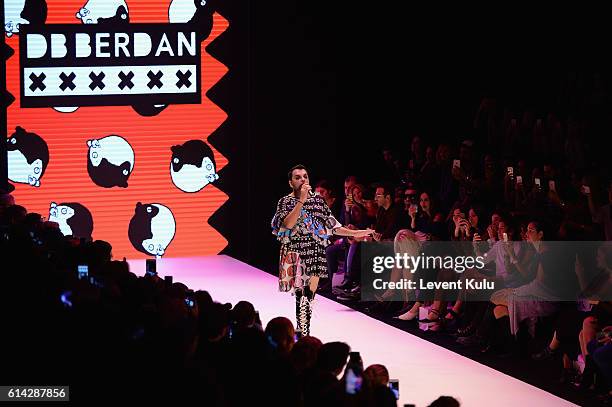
<point x="126" y="80"/>
<point x="67" y="81"/>
<point x="96" y="81"/>
<point x="155" y="79"/>
<point x="37" y="81"/>
<point x="183" y="79"/>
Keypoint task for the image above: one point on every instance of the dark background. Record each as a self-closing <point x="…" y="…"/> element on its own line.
<point x="327" y="85"/>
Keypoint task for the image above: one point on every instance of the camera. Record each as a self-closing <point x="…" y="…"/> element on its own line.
<point x="168" y="280"/>
<point x="189" y="302"/>
<point x="83" y="271"/>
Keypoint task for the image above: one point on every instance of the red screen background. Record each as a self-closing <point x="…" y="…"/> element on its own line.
<point x="66" y="178"/>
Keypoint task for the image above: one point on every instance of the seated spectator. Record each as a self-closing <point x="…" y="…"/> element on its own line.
<point x="324" y="188"/>
<point x="304" y="353"/>
<point x="603" y="214"/>
<point x="243" y="317"/>
<point x="445" y="401"/>
<point x="427" y="219"/>
<point x="281" y="335"/>
<point x="321" y="384"/>
<point x="376" y="384"/>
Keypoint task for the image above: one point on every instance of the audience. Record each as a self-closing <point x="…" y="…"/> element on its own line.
<point x="521" y="181"/>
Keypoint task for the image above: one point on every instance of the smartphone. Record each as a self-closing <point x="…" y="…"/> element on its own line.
<point x="505" y="236"/>
<point x="151" y="267"/>
<point x="189" y="302"/>
<point x="537" y="182"/>
<point x="168" y="280"/>
<point x="83" y="271"/>
<point x="353" y="382"/>
<point x="394" y="386"/>
<point x="586" y="189"/>
<point x="519" y="179"/>
<point x="456" y="163"/>
<point x="551" y="185"/>
<point x="65" y="298"/>
<point x="510" y="172"/>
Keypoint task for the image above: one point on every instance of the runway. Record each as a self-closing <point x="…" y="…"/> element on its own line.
<point x="425" y="371"/>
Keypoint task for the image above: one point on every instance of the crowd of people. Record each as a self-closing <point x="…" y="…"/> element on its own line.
<point x="111" y="333"/>
<point x="520" y="189"/>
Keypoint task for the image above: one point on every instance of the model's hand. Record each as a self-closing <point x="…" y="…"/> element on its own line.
<point x="363" y="233"/>
<point x="304" y="190"/>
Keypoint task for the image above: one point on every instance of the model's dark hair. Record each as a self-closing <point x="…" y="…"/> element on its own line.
<point x="295" y="167"/>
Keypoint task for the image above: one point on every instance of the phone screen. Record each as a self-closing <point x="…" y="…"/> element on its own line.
<point x="353" y="382"/>
<point x="83" y="271"/>
<point x="394" y="386"/>
<point x="65" y="298"/>
<point x="151" y="267"/>
<point x="457" y="163"/>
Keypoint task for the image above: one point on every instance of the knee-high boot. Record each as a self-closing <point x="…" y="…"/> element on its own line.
<point x="302" y="306"/>
<point x="309" y="296"/>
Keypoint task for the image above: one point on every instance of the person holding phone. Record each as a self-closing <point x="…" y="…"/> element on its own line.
<point x="382" y="390"/>
<point x="303" y="224"/>
<point x="462" y="227"/>
<point x="411" y="207"/>
<point x="601" y="215"/>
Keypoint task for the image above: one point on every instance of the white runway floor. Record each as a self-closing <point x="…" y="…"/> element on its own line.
<point x="425" y="371"/>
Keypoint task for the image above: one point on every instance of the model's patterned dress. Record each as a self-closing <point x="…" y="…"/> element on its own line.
<point x="302" y="253"/>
